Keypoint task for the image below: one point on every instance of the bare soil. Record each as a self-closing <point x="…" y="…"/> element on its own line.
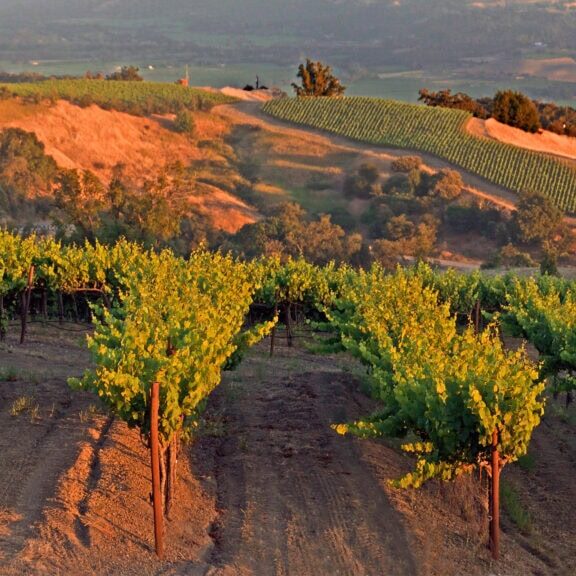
<point x="75" y="483"/>
<point x="562" y="69"/>
<point x="267" y="489"/>
<point x="544" y="141"/>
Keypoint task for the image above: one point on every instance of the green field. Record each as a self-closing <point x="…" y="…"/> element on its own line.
<point x="133" y="97"/>
<point x="439" y="131"/>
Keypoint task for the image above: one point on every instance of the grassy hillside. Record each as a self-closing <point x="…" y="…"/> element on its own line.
<point x="440" y="132"/>
<point x="132" y="97"/>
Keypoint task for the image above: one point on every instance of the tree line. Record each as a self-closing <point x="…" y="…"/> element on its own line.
<point x="509" y="107"/>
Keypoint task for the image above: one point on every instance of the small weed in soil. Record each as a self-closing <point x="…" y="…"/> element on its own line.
<point x="24" y="404"/>
<point x="8" y="375"/>
<point x="527" y="462"/>
<point x="514" y="508"/>
<point x="213" y="426"/>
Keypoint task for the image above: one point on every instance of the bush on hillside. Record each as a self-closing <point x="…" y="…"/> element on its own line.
<point x="363" y="183"/>
<point x="128" y="73"/>
<point x="184" y="123"/>
<point x="406" y="164"/>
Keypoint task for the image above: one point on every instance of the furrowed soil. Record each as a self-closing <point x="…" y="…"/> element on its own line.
<point x="267" y="488"/>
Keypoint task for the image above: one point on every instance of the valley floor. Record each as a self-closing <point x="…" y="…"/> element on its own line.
<point x="267" y="489"/>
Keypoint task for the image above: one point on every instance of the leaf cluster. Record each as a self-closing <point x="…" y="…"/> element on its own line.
<point x="444" y="389"/>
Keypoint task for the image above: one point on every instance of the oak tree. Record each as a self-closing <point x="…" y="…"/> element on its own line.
<point x="317" y="80"/>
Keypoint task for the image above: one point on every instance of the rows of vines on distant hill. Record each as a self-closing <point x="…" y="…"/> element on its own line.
<point x="131" y="97"/>
<point x="440" y="132"/>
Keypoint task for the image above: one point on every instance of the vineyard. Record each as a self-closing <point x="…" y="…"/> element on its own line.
<point x="133" y="97"/>
<point x="164" y="329"/>
<point x="438" y="131"/>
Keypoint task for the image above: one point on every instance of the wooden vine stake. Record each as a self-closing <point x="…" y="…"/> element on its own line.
<point x="155" y="463"/>
<point x="2" y="319"/>
<point x="60" y="298"/>
<point x="477" y="316"/>
<point x="288" y="320"/>
<point x="25" y="303"/>
<point x="495" y="499"/>
<point x="273" y="335"/>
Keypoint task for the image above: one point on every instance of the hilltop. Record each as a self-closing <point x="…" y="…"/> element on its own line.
<point x="544" y="141"/>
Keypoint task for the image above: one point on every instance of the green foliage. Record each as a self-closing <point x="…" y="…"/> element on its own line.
<point x="184" y="123"/>
<point x="177" y="324"/>
<point x="514" y="508"/>
<point x="403" y="184"/>
<point x="549" y="262"/>
<point x="82" y="197"/>
<point x="537" y="219"/>
<point x="295" y="280"/>
<point x="545" y="315"/>
<point x="151" y="212"/>
<point x="517" y="110"/>
<point x="440" y="131"/>
<point x="406" y="164"/>
<point x="288" y="233"/>
<point x="181" y="322"/>
<point x="470" y="217"/>
<point x="446" y="184"/>
<point x="511" y="256"/>
<point x="126" y="73"/>
<point x="25" y="170"/>
<point x="317" y="80"/>
<point x="458" y="101"/>
<point x="138" y="98"/>
<point x="420" y="366"/>
<point x="363" y="183"/>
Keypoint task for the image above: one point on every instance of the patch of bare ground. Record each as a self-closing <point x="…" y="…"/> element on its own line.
<point x="562" y="69"/>
<point x="248" y="95"/>
<point x="293" y="497"/>
<point x="544" y="141"/>
<point x="547" y="491"/>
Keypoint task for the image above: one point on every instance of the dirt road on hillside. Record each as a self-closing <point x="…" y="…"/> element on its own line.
<point x="251" y="113"/>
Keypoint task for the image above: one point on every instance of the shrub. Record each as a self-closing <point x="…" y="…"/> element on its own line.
<point x="184" y="123"/>
<point x="406" y="164"/>
<point x="362" y="184"/>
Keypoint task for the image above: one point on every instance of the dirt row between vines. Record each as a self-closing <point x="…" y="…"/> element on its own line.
<point x="267" y="489"/>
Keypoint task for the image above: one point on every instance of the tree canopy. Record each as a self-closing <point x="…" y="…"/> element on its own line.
<point x="515" y="109"/>
<point x="129" y="73"/>
<point x="317" y="80"/>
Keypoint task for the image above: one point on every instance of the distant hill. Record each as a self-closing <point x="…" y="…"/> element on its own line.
<point x="351" y="33"/>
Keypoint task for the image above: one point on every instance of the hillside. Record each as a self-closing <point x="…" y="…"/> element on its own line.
<point x="439" y="131"/>
<point x="241" y="166"/>
<point x="267" y="487"/>
<point x="545" y="141"/>
<point x="98" y="140"/>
